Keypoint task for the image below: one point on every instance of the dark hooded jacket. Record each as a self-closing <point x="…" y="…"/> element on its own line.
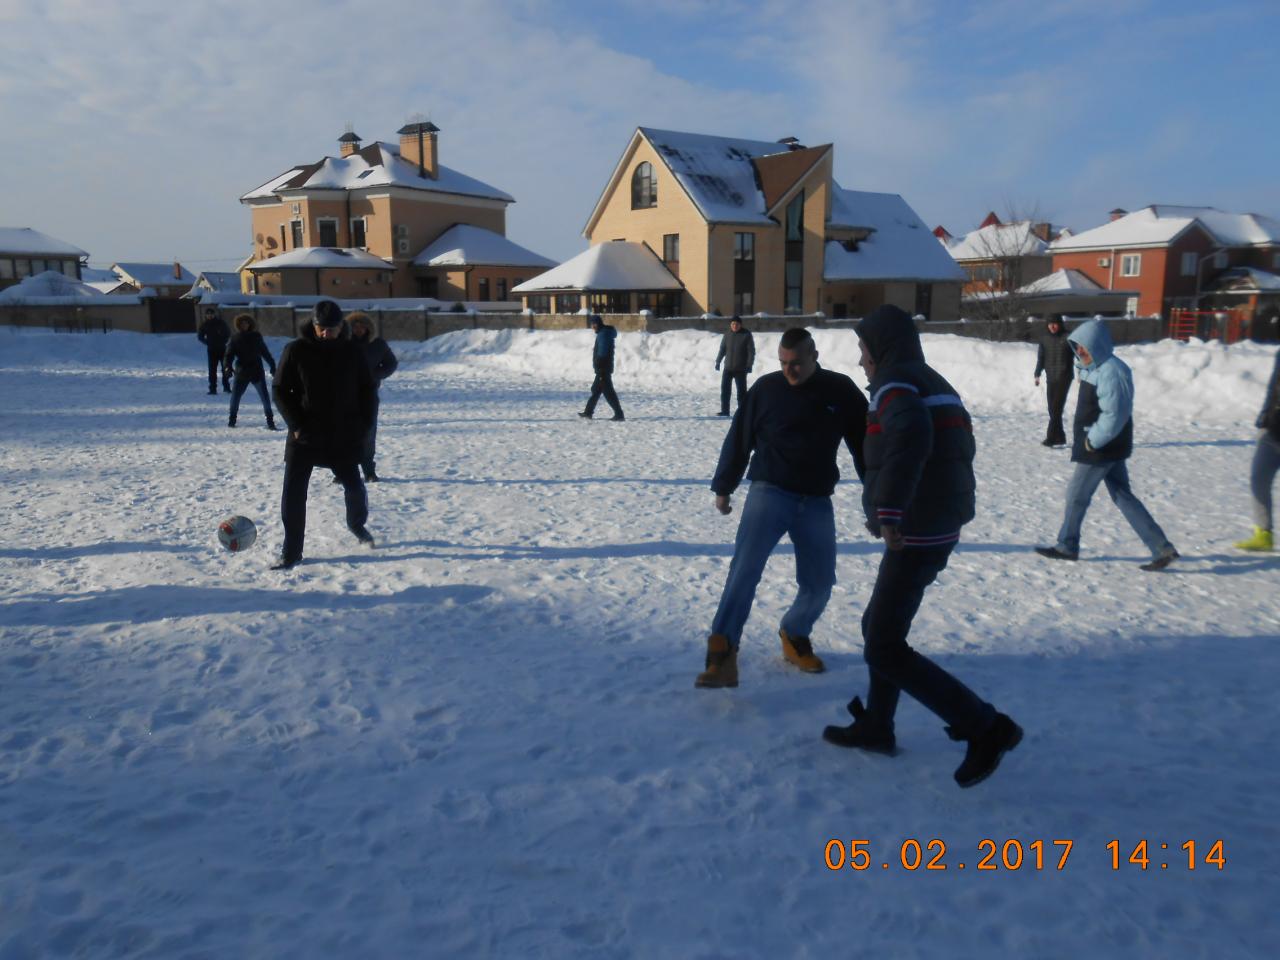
<point x="245" y="354"/>
<point x="380" y="358"/>
<point x="213" y="333"/>
<point x="602" y="351"/>
<point x="1269" y="418"/>
<point x="919" y="448"/>
<point x="325" y="393"/>
<point x="1054" y="356"/>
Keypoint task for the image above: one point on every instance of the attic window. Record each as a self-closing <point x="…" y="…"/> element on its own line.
<point x="364" y="173"/>
<point x="644" y="187"/>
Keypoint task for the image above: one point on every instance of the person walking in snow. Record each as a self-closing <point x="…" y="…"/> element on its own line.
<point x="1266" y="461"/>
<point x="602" y="363"/>
<point x="738" y="354"/>
<point x="790" y="428"/>
<point x="213" y="333"/>
<point x="1102" y="440"/>
<point x="382" y="364"/>
<point x="243" y="359"/>
<point x="1055" y="360"/>
<point x="918" y="491"/>
<point x="325" y="393"/>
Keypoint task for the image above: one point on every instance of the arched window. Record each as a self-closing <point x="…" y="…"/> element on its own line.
<point x="644" y="187"/>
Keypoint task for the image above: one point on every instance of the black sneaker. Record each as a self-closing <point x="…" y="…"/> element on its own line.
<point x="584" y="415"/>
<point x="213" y="391"/>
<point x="231" y="423"/>
<point x="1162" y="561"/>
<point x="1053" y="553"/>
<point x="284" y="563"/>
<point x="363" y="535"/>
<point x="723" y="413"/>
<point x="370" y="477"/>
<point x="1046" y="443"/>
<point x="617" y="416"/>
<point x="986" y="749"/>
<point x="271" y="425"/>
<point x="861" y="733"/>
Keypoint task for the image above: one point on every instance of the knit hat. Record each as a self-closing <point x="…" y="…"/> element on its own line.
<point x="594" y="319"/>
<point x="326" y="313"/>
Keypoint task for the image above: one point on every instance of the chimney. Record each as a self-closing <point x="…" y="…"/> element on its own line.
<point x="177" y="270"/>
<point x="349" y="142"/>
<point x="791" y="143"/>
<point x="1041" y="230"/>
<point x="1117" y="213"/>
<point x="418" y="146"/>
<point x="941" y="232"/>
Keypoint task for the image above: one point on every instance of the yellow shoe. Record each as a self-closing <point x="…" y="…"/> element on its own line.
<point x="1260" y="541"/>
<point x="799" y="651"/>
<point x="722" y="664"/>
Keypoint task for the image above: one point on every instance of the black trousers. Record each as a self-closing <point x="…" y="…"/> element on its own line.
<point x="1057" y="395"/>
<point x="369" y="448"/>
<point x="727" y="379"/>
<point x="894" y="666"/>
<point x="603" y="384"/>
<point x="215" y="363"/>
<point x="298" y="464"/>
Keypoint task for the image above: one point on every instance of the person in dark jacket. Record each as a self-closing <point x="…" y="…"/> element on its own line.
<point x="738" y="354"/>
<point x="790" y="428"/>
<point x="382" y="364"/>
<point x="213" y="333"/>
<point x="918" y="491"/>
<point x="602" y="363"/>
<point x="1055" y="360"/>
<point x="1266" y="461"/>
<point x="243" y="359"/>
<point x="1102" y="440"/>
<point x="325" y="393"/>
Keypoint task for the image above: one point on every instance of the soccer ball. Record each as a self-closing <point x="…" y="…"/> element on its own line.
<point x="237" y="533"/>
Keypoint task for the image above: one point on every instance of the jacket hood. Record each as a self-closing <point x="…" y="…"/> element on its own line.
<point x="235" y="323"/>
<point x="891" y="337"/>
<point x="1096" y="338"/>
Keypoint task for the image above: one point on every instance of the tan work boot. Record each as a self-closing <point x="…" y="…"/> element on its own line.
<point x="722" y="664"/>
<point x="799" y="651"/>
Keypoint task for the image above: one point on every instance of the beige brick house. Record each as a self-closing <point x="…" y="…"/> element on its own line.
<point x="376" y="210"/>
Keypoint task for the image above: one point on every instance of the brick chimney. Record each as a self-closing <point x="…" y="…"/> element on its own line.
<point x="1117" y="213"/>
<point x="349" y="142"/>
<point x="177" y="270"/>
<point x="418" y="146"/>
<point x="1041" y="230"/>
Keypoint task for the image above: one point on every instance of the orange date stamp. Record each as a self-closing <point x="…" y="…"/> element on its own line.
<point x="934" y="854"/>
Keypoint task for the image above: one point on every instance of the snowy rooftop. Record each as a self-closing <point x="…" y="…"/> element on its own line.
<point x="1160" y="224"/>
<point x="317" y="258"/>
<point x="153" y="274"/>
<point x="999" y="240"/>
<point x="465" y="244"/>
<point x="377" y="165"/>
<point x="1063" y="282"/>
<point x="219" y="279"/>
<point x="24" y="240"/>
<point x="1247" y="278"/>
<point x="614" y="265"/>
<point x="900" y="247"/>
<point x="48" y="284"/>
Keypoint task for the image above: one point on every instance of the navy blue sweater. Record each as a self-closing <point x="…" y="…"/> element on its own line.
<point x="794" y="433"/>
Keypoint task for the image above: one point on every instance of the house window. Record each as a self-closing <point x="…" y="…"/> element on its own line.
<point x="402" y="238"/>
<point x="1220" y="260"/>
<point x="22" y="268"/>
<point x="644" y="187"/>
<point x="612" y="301"/>
<point x="568" y="302"/>
<point x="295" y="227"/>
<point x="429" y="287"/>
<point x="328" y="230"/>
<point x="69" y="269"/>
<point x="482" y="288"/>
<point x="744" y="273"/>
<point x="924" y="299"/>
<point x="37" y="266"/>
<point x="539" y="303"/>
<point x="1131" y="265"/>
<point x="6" y="269"/>
<point x="664" y="304"/>
<point x="1188" y="264"/>
<point x="793" y="276"/>
<point x="502" y="289"/>
<point x="357" y="232"/>
<point x="671" y="247"/>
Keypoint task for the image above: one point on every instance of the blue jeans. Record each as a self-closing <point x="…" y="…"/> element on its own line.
<point x="1266" y="461"/>
<point x="240" y="386"/>
<point x="1080" y="491"/>
<point x="767" y="514"/>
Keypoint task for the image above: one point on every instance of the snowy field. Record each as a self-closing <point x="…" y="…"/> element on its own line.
<point x="482" y="738"/>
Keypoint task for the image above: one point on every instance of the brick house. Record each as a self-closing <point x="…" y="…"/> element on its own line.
<point x="1001" y="257"/>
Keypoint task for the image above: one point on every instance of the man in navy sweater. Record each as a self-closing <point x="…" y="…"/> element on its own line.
<point x="789" y="427"/>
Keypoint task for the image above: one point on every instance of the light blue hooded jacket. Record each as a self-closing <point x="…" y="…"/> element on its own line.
<point x="1104" y="411"/>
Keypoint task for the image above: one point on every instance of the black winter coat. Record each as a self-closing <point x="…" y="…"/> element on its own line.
<point x="794" y="433"/>
<point x="737" y="351"/>
<point x="245" y="354"/>
<point x="326" y="395"/>
<point x="1269" y="418"/>
<point x="213" y="333"/>
<point x="919" y="448"/>
<point x="1054" y="356"/>
<point x="380" y="358"/>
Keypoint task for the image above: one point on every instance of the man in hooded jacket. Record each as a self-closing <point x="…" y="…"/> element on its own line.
<point x="382" y="364"/>
<point x="1102" y="440"/>
<point x="602" y="363"/>
<point x="245" y="354"/>
<point x="324" y="391"/>
<point x="918" y="491"/>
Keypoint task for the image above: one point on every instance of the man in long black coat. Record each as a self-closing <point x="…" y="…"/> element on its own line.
<point x="382" y="364"/>
<point x="325" y="394"/>
<point x="1056" y="361"/>
<point x="214" y="334"/>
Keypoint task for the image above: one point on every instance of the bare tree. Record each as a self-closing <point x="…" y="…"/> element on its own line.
<point x="1002" y="257"/>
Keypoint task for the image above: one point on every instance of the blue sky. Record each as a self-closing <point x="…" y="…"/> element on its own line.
<point x="134" y="128"/>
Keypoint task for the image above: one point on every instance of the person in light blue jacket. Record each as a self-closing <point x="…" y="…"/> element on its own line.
<point x="1102" y="440"/>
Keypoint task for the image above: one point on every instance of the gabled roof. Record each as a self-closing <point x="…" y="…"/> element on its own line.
<point x="215" y="280"/>
<point x="1160" y="224"/>
<point x="777" y="173"/>
<point x="1060" y="282"/>
<point x="900" y="246"/>
<point x="999" y="240"/>
<point x="153" y="274"/>
<point x="377" y="165"/>
<point x="25" y="241"/>
<point x="322" y="258"/>
<point x="614" y="265"/>
<point x="464" y="244"/>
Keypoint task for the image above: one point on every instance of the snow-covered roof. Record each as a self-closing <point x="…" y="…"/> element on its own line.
<point x="1062" y="283"/>
<point x="322" y="258"/>
<point x="377" y="165"/>
<point x="1246" y="278"/>
<point x="1161" y="224"/>
<point x="613" y="265"/>
<point x="900" y="246"/>
<point x="96" y="275"/>
<point x="25" y="241"/>
<point x="999" y="240"/>
<point x="49" y="283"/>
<point x="464" y="244"/>
<point x="153" y="274"/>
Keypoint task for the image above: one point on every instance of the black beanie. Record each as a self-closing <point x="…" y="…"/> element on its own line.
<point x="326" y="313"/>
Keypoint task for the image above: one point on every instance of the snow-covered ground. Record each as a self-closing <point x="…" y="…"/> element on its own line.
<point x="482" y="738"/>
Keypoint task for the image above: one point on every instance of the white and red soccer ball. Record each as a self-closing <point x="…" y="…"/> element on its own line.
<point x="237" y="533"/>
